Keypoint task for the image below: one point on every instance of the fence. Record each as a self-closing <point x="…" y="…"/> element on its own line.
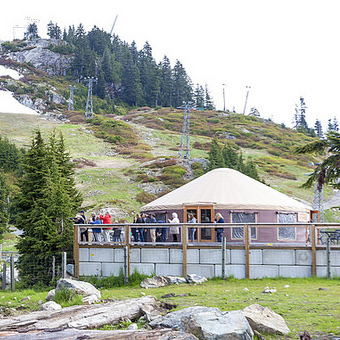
<point x="38" y="269"/>
<point x="244" y="257"/>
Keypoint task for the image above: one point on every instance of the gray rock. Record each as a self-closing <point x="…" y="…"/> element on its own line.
<point x="50" y="306"/>
<point x="264" y="320"/>
<point x="207" y="323"/>
<point x="70" y="269"/>
<point x="268" y="290"/>
<point x="197" y="279"/>
<point x="133" y="326"/>
<point x="174" y="319"/>
<point x="154" y="282"/>
<point x="90" y="300"/>
<point x="78" y="287"/>
<point x="175" y="279"/>
<point x="218" y="325"/>
<point x="50" y="296"/>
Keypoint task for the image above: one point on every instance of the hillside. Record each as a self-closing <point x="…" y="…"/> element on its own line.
<point x="127" y="158"/>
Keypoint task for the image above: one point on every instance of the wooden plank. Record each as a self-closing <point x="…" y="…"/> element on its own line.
<point x="246" y="249"/>
<point x="184" y="249"/>
<point x="76" y="251"/>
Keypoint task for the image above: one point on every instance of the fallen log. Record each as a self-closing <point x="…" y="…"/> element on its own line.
<point x="73" y="334"/>
<point x="85" y="316"/>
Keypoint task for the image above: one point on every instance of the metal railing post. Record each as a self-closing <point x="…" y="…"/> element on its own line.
<point x="224" y="243"/>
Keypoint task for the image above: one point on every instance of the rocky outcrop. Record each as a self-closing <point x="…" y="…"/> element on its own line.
<point x="42" y="58"/>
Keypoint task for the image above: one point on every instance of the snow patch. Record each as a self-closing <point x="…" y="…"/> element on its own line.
<point x="8" y="104"/>
<point x="9" y="72"/>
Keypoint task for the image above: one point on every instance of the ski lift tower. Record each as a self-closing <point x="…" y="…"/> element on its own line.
<point x="70" y="101"/>
<point x="184" y="148"/>
<point x="89" y="104"/>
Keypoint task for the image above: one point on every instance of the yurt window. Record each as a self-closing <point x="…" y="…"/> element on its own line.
<point x="242" y="217"/>
<point x="286" y="233"/>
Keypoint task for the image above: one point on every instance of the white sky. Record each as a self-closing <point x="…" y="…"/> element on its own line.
<point x="283" y="49"/>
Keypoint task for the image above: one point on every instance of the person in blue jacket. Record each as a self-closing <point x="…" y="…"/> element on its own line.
<point x="97" y="231"/>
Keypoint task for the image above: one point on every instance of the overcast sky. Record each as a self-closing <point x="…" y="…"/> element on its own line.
<point x="282" y="49"/>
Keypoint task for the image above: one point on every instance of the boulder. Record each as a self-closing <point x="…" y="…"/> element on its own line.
<point x="196" y="279"/>
<point x="154" y="282"/>
<point x="174" y="319"/>
<point x="50" y="296"/>
<point x="264" y="320"/>
<point x="218" y="325"/>
<point x="175" y="279"/>
<point x="78" y="287"/>
<point x="50" y="306"/>
<point x="90" y="300"/>
<point x="207" y="323"/>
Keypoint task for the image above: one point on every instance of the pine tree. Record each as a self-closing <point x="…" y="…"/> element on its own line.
<point x="215" y="155"/>
<point x="318" y="128"/>
<point x="46" y="201"/>
<point x="208" y="102"/>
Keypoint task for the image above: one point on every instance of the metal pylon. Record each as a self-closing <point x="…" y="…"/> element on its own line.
<point x="70" y="101"/>
<point x="184" y="148"/>
<point x="89" y="104"/>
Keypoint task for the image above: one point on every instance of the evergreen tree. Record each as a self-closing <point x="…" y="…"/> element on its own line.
<point x="208" y="102"/>
<point x="318" y="128"/>
<point x="32" y="32"/>
<point x="166" y="85"/>
<point x="46" y="201"/>
<point x="199" y="97"/>
<point x="181" y="85"/>
<point x="215" y="155"/>
<point x="335" y="125"/>
<point x="4" y="214"/>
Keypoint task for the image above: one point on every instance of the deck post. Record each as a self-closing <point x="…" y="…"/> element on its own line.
<point x="76" y="250"/>
<point x="313" y="239"/>
<point x="184" y="249"/>
<point x="246" y="249"/>
<point x="127" y="249"/>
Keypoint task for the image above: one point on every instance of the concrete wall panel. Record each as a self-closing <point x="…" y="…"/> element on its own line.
<point x="135" y="255"/>
<point x="261" y="271"/>
<point x="118" y="255"/>
<point x="238" y="271"/>
<point x="295" y="271"/>
<point x="109" y="269"/>
<point x="207" y="271"/>
<point x="84" y="254"/>
<point x="176" y="256"/>
<point x="278" y="256"/>
<point x="169" y="269"/>
<point x="303" y="257"/>
<point x="143" y="268"/>
<point x="212" y="256"/>
<point x="255" y="256"/>
<point x="193" y="256"/>
<point x="155" y="255"/>
<point x="101" y="255"/>
<point x="237" y="256"/>
<point x="90" y="268"/>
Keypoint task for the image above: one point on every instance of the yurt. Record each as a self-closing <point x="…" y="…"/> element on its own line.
<point x="240" y="199"/>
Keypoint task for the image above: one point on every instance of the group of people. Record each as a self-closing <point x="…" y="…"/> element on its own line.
<point x="96" y="230"/>
<point x="140" y="233"/>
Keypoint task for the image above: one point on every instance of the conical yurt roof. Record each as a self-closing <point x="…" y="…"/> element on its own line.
<point x="225" y="188"/>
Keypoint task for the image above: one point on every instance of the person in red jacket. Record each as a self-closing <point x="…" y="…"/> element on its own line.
<point x="106" y="219"/>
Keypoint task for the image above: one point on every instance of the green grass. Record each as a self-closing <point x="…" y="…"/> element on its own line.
<point x="301" y="302"/>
